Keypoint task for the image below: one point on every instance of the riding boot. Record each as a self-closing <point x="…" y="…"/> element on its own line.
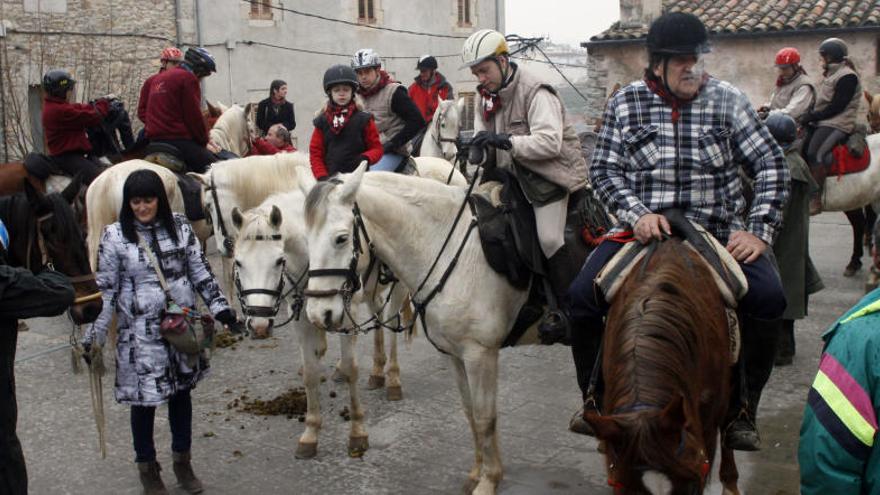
<point x="585" y="342"/>
<point x="151" y="480"/>
<point x="759" y="342"/>
<point x="819" y="173"/>
<point x="785" y="348"/>
<point x="562" y="267"/>
<point x="184" y="472"/>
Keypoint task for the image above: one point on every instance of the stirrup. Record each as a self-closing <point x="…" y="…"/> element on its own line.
<point x="742" y="434"/>
<point x="554" y="328"/>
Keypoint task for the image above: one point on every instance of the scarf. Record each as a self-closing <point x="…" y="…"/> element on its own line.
<point x="338" y="116"/>
<point x="490" y="103"/>
<point x="384" y="79"/>
<point x="658" y="88"/>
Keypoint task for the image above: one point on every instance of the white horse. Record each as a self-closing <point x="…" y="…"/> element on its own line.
<point x="104" y="199"/>
<point x="408" y="220"/>
<point x="234" y="130"/>
<point x="439" y="140"/>
<point x="855" y="190"/>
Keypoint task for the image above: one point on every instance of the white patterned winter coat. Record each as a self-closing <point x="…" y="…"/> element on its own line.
<point x="148" y="369"/>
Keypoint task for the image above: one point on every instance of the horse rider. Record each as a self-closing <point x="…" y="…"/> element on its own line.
<point x="795" y="93"/>
<point x="65" y="124"/>
<point x="522" y="121"/>
<point x="174" y="114"/>
<point x="834" y="117"/>
<point x="677" y="139"/>
<point x="397" y="118"/>
<point x="838" y="450"/>
<point x="277" y="140"/>
<point x="429" y="87"/>
<point x="170" y="58"/>
<point x="25" y="295"/>
<point x="791" y="247"/>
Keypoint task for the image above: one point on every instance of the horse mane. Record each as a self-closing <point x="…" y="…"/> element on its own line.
<point x="254" y="177"/>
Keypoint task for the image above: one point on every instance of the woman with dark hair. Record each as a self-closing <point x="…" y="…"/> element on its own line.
<point x="149" y="371"/>
<point x="276" y="109"/>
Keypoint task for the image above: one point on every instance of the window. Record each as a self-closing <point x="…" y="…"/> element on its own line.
<point x="366" y="11"/>
<point x="464" y="13"/>
<point x="261" y="9"/>
<point x="470" y="105"/>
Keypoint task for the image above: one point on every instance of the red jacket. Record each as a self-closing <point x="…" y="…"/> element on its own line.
<point x="318" y="149"/>
<point x="174" y="107"/>
<point x="262" y="147"/>
<point x="64" y="124"/>
<point x="426" y="97"/>
<point x="145" y="95"/>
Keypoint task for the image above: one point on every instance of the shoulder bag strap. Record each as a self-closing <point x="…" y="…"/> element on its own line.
<point x="155" y="263"/>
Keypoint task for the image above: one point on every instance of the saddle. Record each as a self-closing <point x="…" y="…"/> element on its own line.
<point x="725" y="270"/>
<point x="168" y="156"/>
<point x="852" y="156"/>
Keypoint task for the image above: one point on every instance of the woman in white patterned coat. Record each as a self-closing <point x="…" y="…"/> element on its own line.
<point x="150" y="372"/>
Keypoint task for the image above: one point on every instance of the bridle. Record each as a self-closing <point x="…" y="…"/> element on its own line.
<point x="47" y="261"/>
<point x="437" y="124"/>
<point x="228" y="243"/>
<point x="295" y="292"/>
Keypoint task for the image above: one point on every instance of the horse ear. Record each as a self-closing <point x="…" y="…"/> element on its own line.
<point x="201" y="178"/>
<point x="72" y="190"/>
<point x="275" y="217"/>
<point x="237" y="219"/>
<point x="353" y="182"/>
<point x="606" y="427"/>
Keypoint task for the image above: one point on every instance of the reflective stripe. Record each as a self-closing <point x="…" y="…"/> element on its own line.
<point x="871" y="308"/>
<point x="843" y="409"/>
<point x="849" y="387"/>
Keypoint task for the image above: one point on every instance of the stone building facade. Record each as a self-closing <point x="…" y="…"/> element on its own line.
<point x="745" y="36"/>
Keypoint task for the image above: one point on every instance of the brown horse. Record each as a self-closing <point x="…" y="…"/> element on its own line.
<point x="666" y="363"/>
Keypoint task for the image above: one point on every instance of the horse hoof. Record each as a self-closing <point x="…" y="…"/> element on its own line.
<point x="358" y="446"/>
<point x="375" y="382"/>
<point x="23" y="327"/>
<point x="339" y="377"/>
<point x="305" y="450"/>
<point x="394" y="393"/>
<point x="852" y="268"/>
<point x="469" y="486"/>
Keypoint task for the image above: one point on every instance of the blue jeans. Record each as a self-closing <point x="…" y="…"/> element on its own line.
<point x="388" y="163"/>
<point x="179" y="417"/>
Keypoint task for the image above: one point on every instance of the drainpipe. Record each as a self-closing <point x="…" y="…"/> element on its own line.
<point x="499" y="16"/>
<point x="177" y="21"/>
<point x="198" y="23"/>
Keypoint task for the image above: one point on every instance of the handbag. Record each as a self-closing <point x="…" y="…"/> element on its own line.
<point x="183" y="328"/>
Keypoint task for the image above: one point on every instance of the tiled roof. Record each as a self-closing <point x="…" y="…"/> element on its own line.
<point x="767" y="16"/>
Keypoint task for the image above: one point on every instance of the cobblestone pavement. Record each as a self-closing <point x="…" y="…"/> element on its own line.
<point x="421" y="445"/>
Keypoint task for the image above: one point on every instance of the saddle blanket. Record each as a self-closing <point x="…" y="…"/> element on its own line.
<point x="846" y="162"/>
<point x="729" y="277"/>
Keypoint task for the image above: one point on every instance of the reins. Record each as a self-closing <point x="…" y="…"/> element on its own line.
<point x="227" y="241"/>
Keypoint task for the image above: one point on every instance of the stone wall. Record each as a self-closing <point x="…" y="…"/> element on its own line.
<point x="745" y="62"/>
<point x="108" y="46"/>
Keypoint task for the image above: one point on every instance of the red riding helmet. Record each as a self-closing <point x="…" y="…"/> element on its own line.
<point x="788" y="56"/>
<point x="172" y="53"/>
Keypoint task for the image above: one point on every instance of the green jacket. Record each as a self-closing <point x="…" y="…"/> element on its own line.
<point x="838" y="452"/>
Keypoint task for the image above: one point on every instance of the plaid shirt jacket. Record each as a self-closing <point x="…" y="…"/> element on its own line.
<point x="644" y="163"/>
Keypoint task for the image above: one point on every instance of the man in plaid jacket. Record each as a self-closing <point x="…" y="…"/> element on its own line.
<point x="677" y="139"/>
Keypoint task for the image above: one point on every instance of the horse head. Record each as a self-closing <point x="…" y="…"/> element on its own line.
<point x="448" y="123"/>
<point x="873" y="111"/>
<point x="338" y="253"/>
<point x="214" y="196"/>
<point x="55" y="240"/>
<point x="260" y="264"/>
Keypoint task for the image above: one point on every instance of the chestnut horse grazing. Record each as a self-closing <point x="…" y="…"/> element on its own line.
<point x="666" y="367"/>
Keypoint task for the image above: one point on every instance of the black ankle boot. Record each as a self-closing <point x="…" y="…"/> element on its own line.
<point x="554" y="328"/>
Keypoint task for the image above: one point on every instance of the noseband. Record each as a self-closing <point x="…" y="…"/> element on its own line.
<point x="278" y="292"/>
<point x="227" y="240"/>
<point x="46" y="260"/>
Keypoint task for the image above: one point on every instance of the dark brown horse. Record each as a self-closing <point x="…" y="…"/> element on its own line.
<point x="666" y="366"/>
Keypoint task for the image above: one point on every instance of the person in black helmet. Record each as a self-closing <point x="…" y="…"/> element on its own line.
<point x="834" y="115"/>
<point x="677" y="139"/>
<point x="344" y="134"/>
<point x="799" y="276"/>
<point x="429" y="87"/>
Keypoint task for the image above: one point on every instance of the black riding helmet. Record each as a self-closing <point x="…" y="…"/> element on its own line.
<point x="677" y="33"/>
<point x="427" y="62"/>
<point x="834" y="50"/>
<point x="200" y="61"/>
<point x="57" y="82"/>
<point x="340" y="74"/>
<point x="782" y="127"/>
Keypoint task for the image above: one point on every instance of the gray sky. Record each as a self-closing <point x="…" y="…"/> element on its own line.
<point x="565" y="21"/>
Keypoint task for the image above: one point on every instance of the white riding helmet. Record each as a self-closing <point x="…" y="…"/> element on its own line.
<point x="365" y="58"/>
<point x="483" y="45"/>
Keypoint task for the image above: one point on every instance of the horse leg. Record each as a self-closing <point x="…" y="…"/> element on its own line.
<point x="870" y="220"/>
<point x="394" y="392"/>
<point x="728" y="472"/>
<point x="358" y="441"/>
<point x="857" y="221"/>
<point x="482" y="375"/>
<point x="467" y="403"/>
<point x="313" y="345"/>
<point x="377" y="375"/>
